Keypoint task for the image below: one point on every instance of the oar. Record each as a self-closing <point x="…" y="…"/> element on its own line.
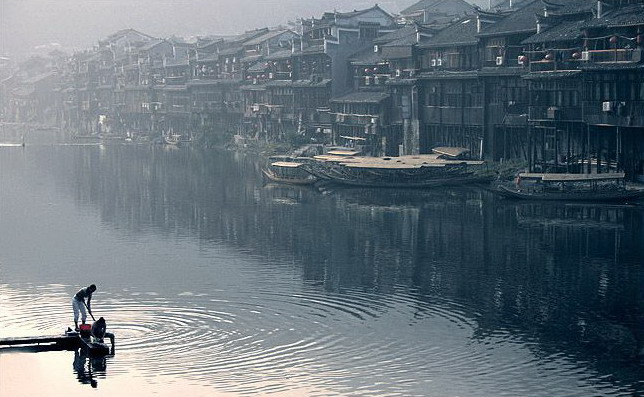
<point x="88" y="310"/>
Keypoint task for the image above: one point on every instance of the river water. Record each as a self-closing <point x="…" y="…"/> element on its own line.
<point x="218" y="284"/>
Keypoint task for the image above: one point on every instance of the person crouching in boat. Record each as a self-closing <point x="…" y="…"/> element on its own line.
<point x="78" y="304"/>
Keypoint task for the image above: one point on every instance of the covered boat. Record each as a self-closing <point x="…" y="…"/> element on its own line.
<point x="289" y="172"/>
<point x="418" y="171"/>
<point x="573" y="187"/>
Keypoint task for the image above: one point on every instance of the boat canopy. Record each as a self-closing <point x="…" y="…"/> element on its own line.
<point x="573" y="177"/>
<point x="286" y="164"/>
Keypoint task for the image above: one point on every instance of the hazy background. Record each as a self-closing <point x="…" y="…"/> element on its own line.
<point x="75" y="24"/>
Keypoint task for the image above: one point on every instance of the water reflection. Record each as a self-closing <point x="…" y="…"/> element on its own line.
<point x="88" y="369"/>
<point x="382" y="291"/>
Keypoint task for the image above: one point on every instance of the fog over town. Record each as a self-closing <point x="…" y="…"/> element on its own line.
<point x="27" y="25"/>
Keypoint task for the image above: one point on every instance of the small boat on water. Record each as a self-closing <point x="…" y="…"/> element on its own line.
<point x="289" y="172"/>
<point x="570" y="187"/>
<point x="86" y="338"/>
<point x="177" y="139"/>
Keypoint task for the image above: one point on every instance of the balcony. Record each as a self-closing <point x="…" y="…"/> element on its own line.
<point x="577" y="60"/>
<point x="623" y="114"/>
<point x="616" y="55"/>
<point x="551" y="66"/>
<point x="554" y="113"/>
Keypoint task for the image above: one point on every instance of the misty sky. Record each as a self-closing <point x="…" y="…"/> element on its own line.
<point x="25" y="24"/>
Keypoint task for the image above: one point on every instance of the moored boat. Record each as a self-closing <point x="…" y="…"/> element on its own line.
<point x="571" y="187"/>
<point x="177" y="139"/>
<point x="417" y="171"/>
<point x="289" y="172"/>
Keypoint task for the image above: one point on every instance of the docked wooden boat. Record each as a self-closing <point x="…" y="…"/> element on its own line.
<point x="111" y="137"/>
<point x="289" y="172"/>
<point x="177" y="139"/>
<point x="571" y="187"/>
<point x="418" y="171"/>
<point x="70" y="340"/>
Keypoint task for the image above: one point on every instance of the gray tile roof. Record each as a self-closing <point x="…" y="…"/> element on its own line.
<point x="565" y="31"/>
<point x="632" y="15"/>
<point x="521" y="20"/>
<point x="366" y="57"/>
<point x="463" y="32"/>
<point x="266" y="36"/>
<point x="362" y="96"/>
<point x="440" y="7"/>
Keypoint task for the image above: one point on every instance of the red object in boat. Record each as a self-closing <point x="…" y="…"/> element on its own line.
<point x="85" y="330"/>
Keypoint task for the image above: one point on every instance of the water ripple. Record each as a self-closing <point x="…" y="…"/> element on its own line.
<point x="273" y="342"/>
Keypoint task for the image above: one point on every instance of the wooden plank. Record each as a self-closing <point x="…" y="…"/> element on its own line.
<point x="451" y="151"/>
<point x="35" y="340"/>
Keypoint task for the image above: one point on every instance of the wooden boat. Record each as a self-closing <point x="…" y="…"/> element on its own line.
<point x="289" y="172"/>
<point x="70" y="340"/>
<point x="177" y="139"/>
<point x="571" y="187"/>
<point x="418" y="171"/>
<point x="111" y="137"/>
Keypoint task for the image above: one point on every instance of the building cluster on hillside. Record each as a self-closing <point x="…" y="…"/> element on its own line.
<point x="559" y="84"/>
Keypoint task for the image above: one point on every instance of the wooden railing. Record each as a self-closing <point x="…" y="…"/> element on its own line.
<point x="555" y="113"/>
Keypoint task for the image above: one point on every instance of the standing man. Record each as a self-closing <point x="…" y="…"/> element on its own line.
<point x="78" y="303"/>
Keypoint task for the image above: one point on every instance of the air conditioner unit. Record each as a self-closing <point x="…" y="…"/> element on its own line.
<point x="607" y="106"/>
<point x="375" y="48"/>
<point x="433" y="62"/>
<point x="398" y="72"/>
<point x="439" y="62"/>
<point x="270" y="76"/>
<point x="552" y="112"/>
<point x="499" y="61"/>
<point x="367" y="80"/>
<point x="585" y="55"/>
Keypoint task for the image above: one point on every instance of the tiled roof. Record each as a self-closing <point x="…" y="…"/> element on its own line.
<point x="366" y="57"/>
<point x="407" y="40"/>
<point x="279" y="83"/>
<point x="521" y="20"/>
<point x="565" y="31"/>
<point x="312" y="83"/>
<point x="258" y="67"/>
<point x="551" y="75"/>
<point x="151" y="44"/>
<point x="444" y="7"/>
<point x="448" y="75"/>
<point x="283" y="54"/>
<point x="562" y="7"/>
<point x="355" y="13"/>
<point x="249" y="35"/>
<point x="267" y="36"/>
<point x="395" y="35"/>
<point x="624" y="16"/>
<point x="462" y="32"/>
<point x="230" y="51"/>
<point x="363" y="96"/>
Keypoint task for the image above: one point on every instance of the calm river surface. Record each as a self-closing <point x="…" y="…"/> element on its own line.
<point x="217" y="284"/>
